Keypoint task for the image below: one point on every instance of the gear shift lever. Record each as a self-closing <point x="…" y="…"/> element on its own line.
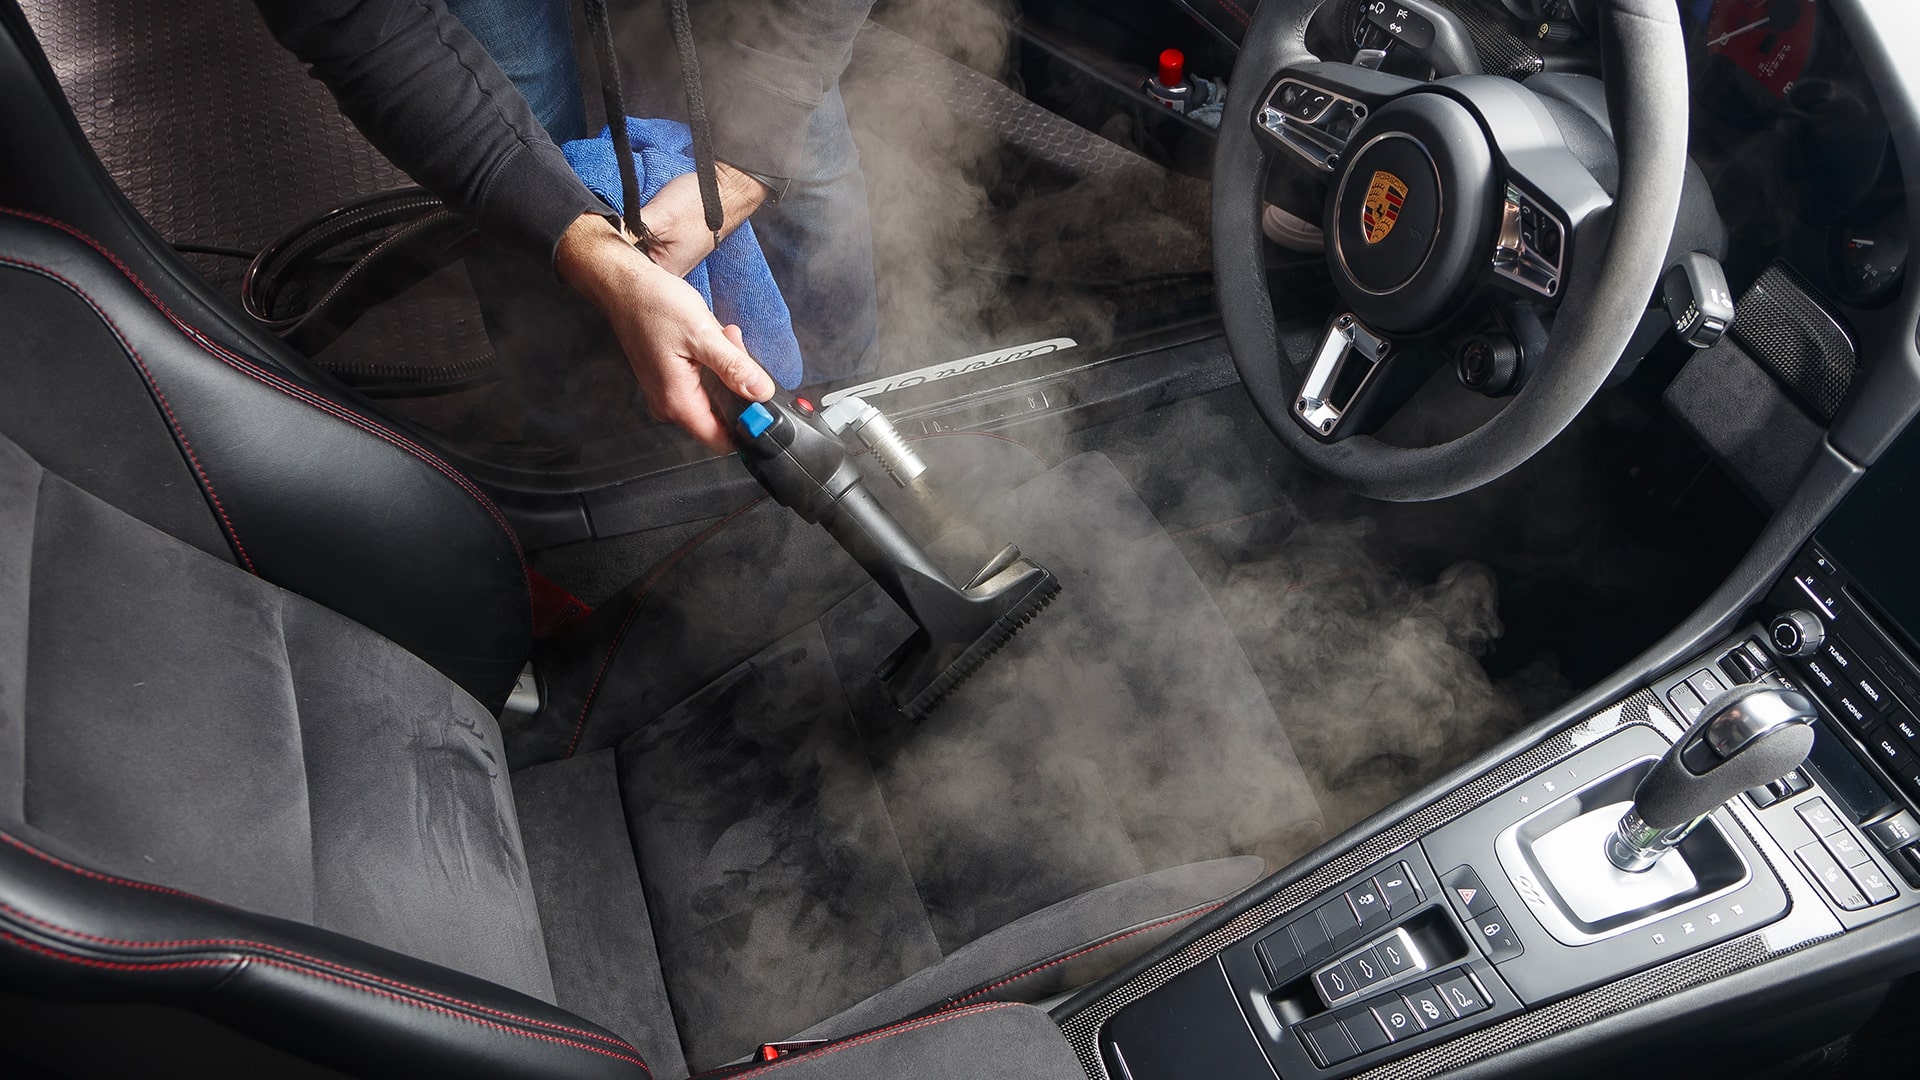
<point x="1749" y="736"/>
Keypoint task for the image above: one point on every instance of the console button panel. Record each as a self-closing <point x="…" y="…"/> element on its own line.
<point x="1868" y="684"/>
<point x="1407" y="975"/>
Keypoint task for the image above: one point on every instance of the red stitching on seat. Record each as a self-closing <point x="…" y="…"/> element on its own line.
<point x="260" y="945"/>
<point x="900" y="1028"/>
<point x="170" y="965"/>
<point x="95" y="874"/>
<point x="956" y="1002"/>
<point x="293" y="390"/>
<point x="153" y="384"/>
<point x="646" y="588"/>
<point x="1236" y="11"/>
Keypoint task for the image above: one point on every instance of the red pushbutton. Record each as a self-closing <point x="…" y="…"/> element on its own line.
<point x="804" y="405"/>
<point x="1173" y="67"/>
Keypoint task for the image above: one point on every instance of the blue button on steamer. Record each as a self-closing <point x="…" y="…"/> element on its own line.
<point x="756" y="419"/>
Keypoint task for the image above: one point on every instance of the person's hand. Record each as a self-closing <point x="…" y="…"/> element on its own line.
<point x="678" y="221"/>
<point x="663" y="326"/>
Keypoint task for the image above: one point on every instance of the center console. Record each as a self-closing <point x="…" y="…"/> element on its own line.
<point x="1494" y="915"/>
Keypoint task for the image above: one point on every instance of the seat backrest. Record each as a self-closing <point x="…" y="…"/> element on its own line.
<point x="125" y="374"/>
<point x="220" y="797"/>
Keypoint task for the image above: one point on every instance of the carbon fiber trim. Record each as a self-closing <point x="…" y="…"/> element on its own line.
<point x="1798" y="339"/>
<point x="1502" y="52"/>
<point x="1083" y="1027"/>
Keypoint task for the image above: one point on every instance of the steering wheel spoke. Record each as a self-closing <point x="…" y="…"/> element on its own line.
<point x="1347" y="372"/>
<point x="1311" y="111"/>
<point x="1550" y="206"/>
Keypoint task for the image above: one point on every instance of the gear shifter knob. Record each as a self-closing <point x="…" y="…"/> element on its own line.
<point x="1748" y="736"/>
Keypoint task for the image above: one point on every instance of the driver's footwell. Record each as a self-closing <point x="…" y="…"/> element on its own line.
<point x="804" y="848"/>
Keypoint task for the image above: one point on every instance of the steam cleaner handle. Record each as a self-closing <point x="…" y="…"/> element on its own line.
<point x="805" y="467"/>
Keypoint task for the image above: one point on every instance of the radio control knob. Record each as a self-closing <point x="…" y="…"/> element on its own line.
<point x="1797" y="632"/>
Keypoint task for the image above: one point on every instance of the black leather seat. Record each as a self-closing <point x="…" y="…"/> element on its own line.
<point x="252" y="641"/>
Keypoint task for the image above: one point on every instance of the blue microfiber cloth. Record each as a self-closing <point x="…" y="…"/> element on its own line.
<point x="735" y="279"/>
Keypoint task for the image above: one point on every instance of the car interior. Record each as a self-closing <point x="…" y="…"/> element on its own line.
<point x="1469" y="439"/>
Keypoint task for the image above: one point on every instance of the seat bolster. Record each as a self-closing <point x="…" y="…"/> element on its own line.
<point x="1068" y="944"/>
<point x="310" y="493"/>
<point x="73" y="933"/>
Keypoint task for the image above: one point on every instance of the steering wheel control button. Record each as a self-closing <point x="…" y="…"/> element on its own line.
<point x="1368" y="905"/>
<point x="1462" y="995"/>
<point x="1831" y="877"/>
<point x="1897" y="831"/>
<point x="1820" y="817"/>
<point x="1494" y="932"/>
<point x="1397" y="887"/>
<point x="1464" y="889"/>
<point x="1311" y="121"/>
<point x="1531" y="243"/>
<point x="755" y="419"/>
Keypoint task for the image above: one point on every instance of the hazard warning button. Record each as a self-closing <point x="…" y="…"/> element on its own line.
<point x="1467" y="894"/>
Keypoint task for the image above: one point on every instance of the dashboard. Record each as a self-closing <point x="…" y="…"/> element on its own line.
<point x="1796" y="148"/>
<point x="1793" y="142"/>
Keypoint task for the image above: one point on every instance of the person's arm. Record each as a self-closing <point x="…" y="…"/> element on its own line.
<point x="428" y="96"/>
<point x="662" y="319"/>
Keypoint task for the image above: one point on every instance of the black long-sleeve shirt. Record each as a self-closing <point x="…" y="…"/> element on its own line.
<point x="429" y="97"/>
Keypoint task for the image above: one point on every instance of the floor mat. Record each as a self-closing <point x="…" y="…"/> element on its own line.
<point x="785" y="810"/>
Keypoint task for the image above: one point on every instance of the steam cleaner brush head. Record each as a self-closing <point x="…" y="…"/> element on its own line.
<point x="960" y="629"/>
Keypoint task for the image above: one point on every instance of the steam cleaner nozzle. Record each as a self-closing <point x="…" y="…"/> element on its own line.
<point x="797" y="455"/>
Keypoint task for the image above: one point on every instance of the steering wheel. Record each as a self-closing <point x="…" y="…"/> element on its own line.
<point x="1444" y="198"/>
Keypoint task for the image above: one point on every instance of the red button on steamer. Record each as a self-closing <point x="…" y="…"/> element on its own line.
<point x="1173" y="67"/>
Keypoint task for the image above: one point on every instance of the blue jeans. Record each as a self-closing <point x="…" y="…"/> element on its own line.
<point x="818" y="238"/>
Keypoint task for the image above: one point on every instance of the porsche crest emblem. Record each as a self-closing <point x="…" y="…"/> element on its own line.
<point x="1385" y="195"/>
